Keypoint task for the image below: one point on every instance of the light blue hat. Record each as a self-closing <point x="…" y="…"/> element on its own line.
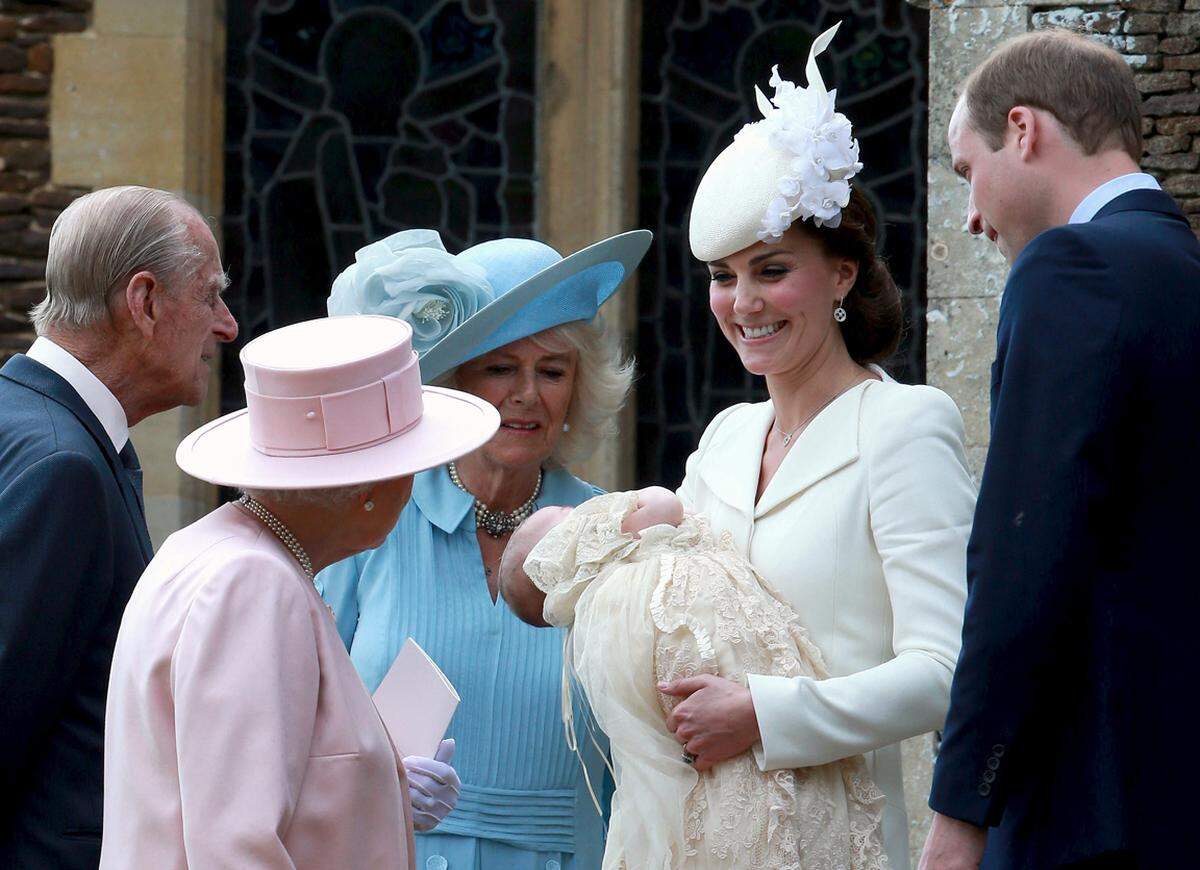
<point x="462" y="306"/>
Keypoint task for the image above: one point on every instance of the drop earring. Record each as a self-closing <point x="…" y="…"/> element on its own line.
<point x="368" y="505"/>
<point x="839" y="313"/>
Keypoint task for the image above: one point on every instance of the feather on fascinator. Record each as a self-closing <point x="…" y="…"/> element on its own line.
<point x="794" y="164"/>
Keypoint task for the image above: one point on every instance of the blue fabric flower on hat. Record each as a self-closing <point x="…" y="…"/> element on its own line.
<point x="410" y="275"/>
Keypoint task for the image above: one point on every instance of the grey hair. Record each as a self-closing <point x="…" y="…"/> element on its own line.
<point x="104" y="238"/>
<point x="337" y="497"/>
<point x="603" y="377"/>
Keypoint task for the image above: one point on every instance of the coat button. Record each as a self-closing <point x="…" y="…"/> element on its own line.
<point x="436" y="862"/>
<point x="993" y="763"/>
<point x="998" y="750"/>
<point x="984" y="789"/>
<point x="989" y="776"/>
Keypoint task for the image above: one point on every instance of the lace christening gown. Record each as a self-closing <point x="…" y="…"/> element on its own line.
<point x="676" y="603"/>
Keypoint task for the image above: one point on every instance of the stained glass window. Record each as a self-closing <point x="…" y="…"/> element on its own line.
<point x="348" y="120"/>
<point x="701" y="60"/>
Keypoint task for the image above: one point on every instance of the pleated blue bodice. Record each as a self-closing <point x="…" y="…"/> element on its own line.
<point x="521" y="783"/>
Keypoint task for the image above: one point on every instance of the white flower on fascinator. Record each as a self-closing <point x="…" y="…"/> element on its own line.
<point x="802" y="122"/>
<point x="410" y="275"/>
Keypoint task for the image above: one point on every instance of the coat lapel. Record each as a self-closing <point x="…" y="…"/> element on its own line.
<point x="37" y="377"/>
<point x="731" y="464"/>
<point x="828" y="444"/>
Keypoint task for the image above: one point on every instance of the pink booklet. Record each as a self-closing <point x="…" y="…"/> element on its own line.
<point x="415" y="701"/>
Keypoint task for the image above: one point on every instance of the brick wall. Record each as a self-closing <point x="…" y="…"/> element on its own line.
<point x="1161" y="41"/>
<point x="28" y="203"/>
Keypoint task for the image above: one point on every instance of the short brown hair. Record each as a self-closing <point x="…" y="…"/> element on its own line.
<point x="874" y="313"/>
<point x="1084" y="84"/>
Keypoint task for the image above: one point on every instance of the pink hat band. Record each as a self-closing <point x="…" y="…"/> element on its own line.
<point x="360" y="399"/>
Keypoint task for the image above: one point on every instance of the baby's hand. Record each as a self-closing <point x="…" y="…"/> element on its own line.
<point x="656" y="506"/>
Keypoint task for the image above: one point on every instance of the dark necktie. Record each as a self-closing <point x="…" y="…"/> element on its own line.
<point x="133" y="468"/>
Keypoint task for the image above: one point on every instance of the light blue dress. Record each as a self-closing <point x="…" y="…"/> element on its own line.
<point x="524" y="803"/>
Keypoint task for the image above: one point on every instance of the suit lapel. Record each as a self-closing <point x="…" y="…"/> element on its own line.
<point x="37" y="377"/>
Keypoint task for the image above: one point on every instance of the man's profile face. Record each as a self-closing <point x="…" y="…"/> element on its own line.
<point x="195" y="323"/>
<point x="993" y="208"/>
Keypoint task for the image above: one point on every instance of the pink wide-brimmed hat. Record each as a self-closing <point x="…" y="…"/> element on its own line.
<point x="335" y="402"/>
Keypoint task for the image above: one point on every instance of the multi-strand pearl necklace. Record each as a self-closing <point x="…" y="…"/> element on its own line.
<point x="280" y="531"/>
<point x="498" y="523"/>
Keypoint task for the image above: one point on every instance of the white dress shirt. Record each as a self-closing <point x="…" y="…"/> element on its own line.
<point x="1110" y="190"/>
<point x="91" y="389"/>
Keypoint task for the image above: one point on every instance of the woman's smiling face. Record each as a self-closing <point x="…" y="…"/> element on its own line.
<point x="774" y="303"/>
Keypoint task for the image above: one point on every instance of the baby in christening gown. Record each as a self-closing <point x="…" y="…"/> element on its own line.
<point x="651" y="595"/>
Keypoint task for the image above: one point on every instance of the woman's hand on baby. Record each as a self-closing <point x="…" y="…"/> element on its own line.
<point x="714" y="721"/>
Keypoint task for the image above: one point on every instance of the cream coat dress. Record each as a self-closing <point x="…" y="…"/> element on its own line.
<point x="863" y="531"/>
<point x="238" y="733"/>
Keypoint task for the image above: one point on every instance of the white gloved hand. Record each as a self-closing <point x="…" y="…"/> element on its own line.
<point x="432" y="786"/>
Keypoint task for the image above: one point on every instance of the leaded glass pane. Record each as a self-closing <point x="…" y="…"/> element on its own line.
<point x="700" y="62"/>
<point x="348" y="120"/>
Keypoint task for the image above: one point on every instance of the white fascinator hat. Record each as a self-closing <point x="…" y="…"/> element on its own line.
<point x="794" y="164"/>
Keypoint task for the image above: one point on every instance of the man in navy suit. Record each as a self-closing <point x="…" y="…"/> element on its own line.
<point x="130" y="325"/>
<point x="1066" y="744"/>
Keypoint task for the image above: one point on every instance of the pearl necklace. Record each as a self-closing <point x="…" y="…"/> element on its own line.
<point x="280" y="531"/>
<point x="498" y="523"/>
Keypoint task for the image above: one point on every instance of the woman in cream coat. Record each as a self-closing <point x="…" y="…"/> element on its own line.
<point x="848" y="491"/>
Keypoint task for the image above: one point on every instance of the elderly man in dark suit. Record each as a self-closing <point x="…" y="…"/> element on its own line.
<point x="130" y="325"/>
<point x="1064" y="745"/>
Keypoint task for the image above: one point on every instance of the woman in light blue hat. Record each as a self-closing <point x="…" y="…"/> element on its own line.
<point x="512" y="322"/>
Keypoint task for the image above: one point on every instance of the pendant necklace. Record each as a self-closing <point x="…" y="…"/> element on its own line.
<point x="788" y="436"/>
<point x="285" y="536"/>
<point x="498" y="523"/>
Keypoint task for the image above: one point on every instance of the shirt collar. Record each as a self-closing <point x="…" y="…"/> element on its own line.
<point x="1110" y="190"/>
<point x="91" y="389"/>
<point x="449" y="508"/>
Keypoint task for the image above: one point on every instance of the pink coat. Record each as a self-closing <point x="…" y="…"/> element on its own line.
<point x="238" y="733"/>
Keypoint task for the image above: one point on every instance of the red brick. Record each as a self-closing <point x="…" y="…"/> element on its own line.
<point x="12" y="202"/>
<point x="52" y="196"/>
<point x="1171" y="126"/>
<point x="1182" y="61"/>
<point x="54" y="22"/>
<point x="22" y="83"/>
<point x="1168" y="144"/>
<point x="1183" y="184"/>
<point x="12" y="59"/>
<point x="41" y="58"/>
<point x="18" y="154"/>
<point x="1172" y="104"/>
<point x="16" y="269"/>
<point x="23" y="295"/>
<point x="1178" y="45"/>
<point x="8" y="27"/>
<point x="1153" y="83"/>
<point x="30" y="129"/>
<point x="1171" y="161"/>
<point x="1143" y="22"/>
<point x="1182" y="24"/>
<point x="29" y="242"/>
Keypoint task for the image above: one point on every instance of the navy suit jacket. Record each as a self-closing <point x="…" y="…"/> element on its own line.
<point x="73" y="542"/>
<point x="1066" y="731"/>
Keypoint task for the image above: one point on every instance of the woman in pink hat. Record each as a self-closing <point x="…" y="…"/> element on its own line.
<point x="238" y="732"/>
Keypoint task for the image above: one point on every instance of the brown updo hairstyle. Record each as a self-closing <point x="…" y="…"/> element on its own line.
<point x="874" y="316"/>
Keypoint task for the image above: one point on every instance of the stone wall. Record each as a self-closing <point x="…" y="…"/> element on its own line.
<point x="28" y="202"/>
<point x="1161" y="41"/>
